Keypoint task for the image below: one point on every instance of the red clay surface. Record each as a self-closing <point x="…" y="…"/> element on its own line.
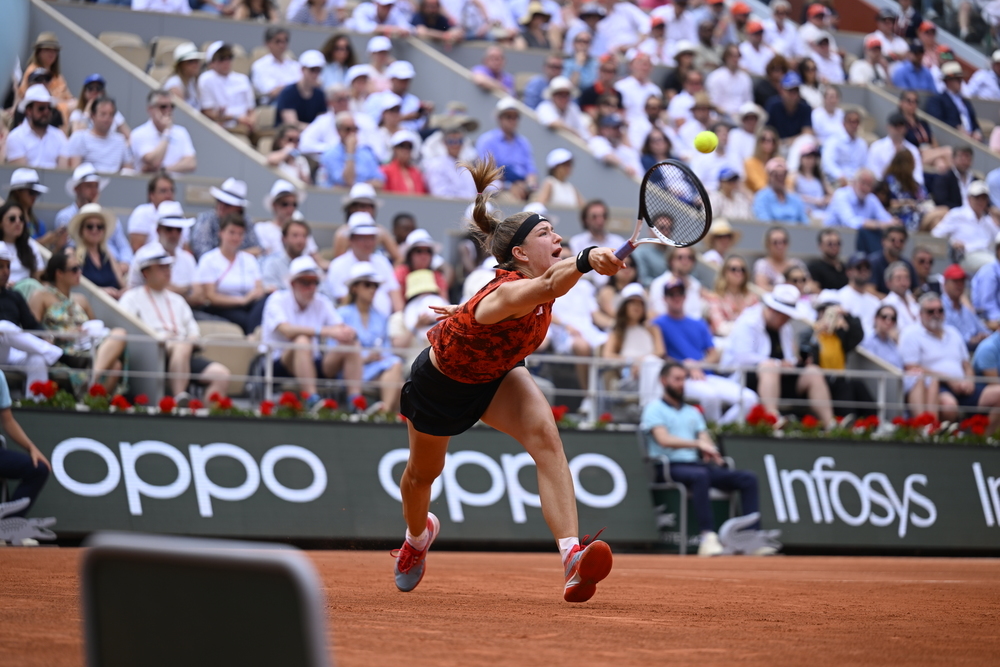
<point x="477" y="609"/>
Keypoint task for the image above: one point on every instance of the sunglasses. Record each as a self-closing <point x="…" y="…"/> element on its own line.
<point x="314" y="70"/>
<point x="93" y="87"/>
<point x="307" y="282"/>
<point x="736" y="269"/>
<point x="675" y="293"/>
<point x="165" y="107"/>
<point x="287" y="204"/>
<point x="91" y="228"/>
<point x="349" y="130"/>
<point x="797" y="281"/>
<point x="366" y="284"/>
<point x="933" y="311"/>
<point x="14" y="218"/>
<point x="73" y="269"/>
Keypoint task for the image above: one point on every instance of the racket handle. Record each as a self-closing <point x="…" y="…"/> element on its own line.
<point x="625" y="250"/>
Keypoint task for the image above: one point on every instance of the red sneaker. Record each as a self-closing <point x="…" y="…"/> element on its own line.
<point x="410" y="563"/>
<point x="586" y="566"/>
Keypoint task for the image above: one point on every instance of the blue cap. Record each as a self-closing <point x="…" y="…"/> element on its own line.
<point x="727" y="174"/>
<point x="95" y="78"/>
<point x="611" y="120"/>
<point x="791" y="80"/>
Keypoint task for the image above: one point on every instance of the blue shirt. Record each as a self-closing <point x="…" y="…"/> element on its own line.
<point x="886" y="350"/>
<point x="366" y="166"/>
<point x="290" y="97"/>
<point x="846" y="210"/>
<point x="962" y="318"/>
<point x="985" y="289"/>
<point x="986" y="358"/>
<point x="5" y="401"/>
<point x="843" y="156"/>
<point x="906" y="76"/>
<point x="686" y="338"/>
<point x="588" y="72"/>
<point x="767" y="206"/>
<point x="685" y="422"/>
<point x="533" y="91"/>
<point x="515" y="155"/>
<point x="788" y="124"/>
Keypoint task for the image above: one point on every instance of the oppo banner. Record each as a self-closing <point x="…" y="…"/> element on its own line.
<point x="875" y="494"/>
<point x="288" y="479"/>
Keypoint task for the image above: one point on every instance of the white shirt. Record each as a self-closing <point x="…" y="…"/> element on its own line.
<point x="660" y="53"/>
<point x="417" y="306"/>
<point x="984" y="84"/>
<point x="281" y="307"/>
<point x="18" y="271"/>
<point x="749" y="342"/>
<point x="881" y="152"/>
<point x="340" y="271"/>
<point x="808" y="33"/>
<point x="576" y="308"/>
<point x="694" y="306"/>
<point x="624" y="25"/>
<point x="321" y="134"/>
<point x="267" y="73"/>
<point x="165" y="6"/>
<point x="235" y="278"/>
<point x="843" y="156"/>
<point x="754" y="60"/>
<point x="39" y="152"/>
<point x="784" y="40"/>
<point x="190" y="90"/>
<point x="677" y="28"/>
<point x="181" y="271"/>
<point x="364" y="19"/>
<point x="635" y="93"/>
<point x="943" y="355"/>
<point x="444" y="178"/>
<point x="891" y="44"/>
<point x="145" y="138"/>
<point x="961" y="224"/>
<point x="907" y="309"/>
<point x="862" y="72"/>
<point x="109" y="154"/>
<point x="232" y="94"/>
<point x="741" y="145"/>
<point x="680" y="106"/>
<point x="77" y="116"/>
<point x="269" y="239"/>
<point x="706" y="166"/>
<point x="166" y="312"/>
<point x="830" y="70"/>
<point x="574" y="119"/>
<point x="863" y="305"/>
<point x="963" y="111"/>
<point x="627" y="156"/>
<point x="826" y="126"/>
<point x="729" y="90"/>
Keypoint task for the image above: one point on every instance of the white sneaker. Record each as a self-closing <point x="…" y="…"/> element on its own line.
<point x="585" y="406"/>
<point x="710" y="545"/>
<point x="28" y="542"/>
<point x="765" y="551"/>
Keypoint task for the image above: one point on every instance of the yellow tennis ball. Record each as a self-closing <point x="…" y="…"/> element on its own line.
<point x="706" y="141"/>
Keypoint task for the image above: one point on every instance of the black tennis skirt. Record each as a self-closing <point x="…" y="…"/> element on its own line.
<point x="438" y="405"/>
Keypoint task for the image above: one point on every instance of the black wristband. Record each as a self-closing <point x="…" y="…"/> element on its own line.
<point x="583" y="260"/>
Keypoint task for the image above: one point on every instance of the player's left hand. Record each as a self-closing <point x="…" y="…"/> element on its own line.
<point x="444" y="312"/>
<point x="604" y="261"/>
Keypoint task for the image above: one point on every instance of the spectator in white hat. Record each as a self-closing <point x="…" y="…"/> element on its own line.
<point x="301" y="316"/>
<point x="970" y="229"/>
<point x="985" y="83"/>
<point x="25" y="188"/>
<point x="382" y="17"/>
<point x="230" y="198"/>
<point x="184" y="81"/>
<point x="226" y="96"/>
<point x="401" y="175"/>
<point x="379" y="49"/>
<point x="270" y="73"/>
<point x="558" y="111"/>
<point x="300" y="103"/>
<point x="36" y="143"/>
<point x="159" y="144"/>
<point x="361" y="198"/>
<point x="170" y="227"/>
<point x="420" y="251"/>
<point x="358" y="80"/>
<point x="283" y="201"/>
<point x="143" y="219"/>
<point x="170" y="316"/>
<point x="321" y="13"/>
<point x="556" y="190"/>
<point x="363" y="235"/>
<point x="386" y="112"/>
<point x="413" y="111"/>
<point x="372" y="328"/>
<point x="85" y="186"/>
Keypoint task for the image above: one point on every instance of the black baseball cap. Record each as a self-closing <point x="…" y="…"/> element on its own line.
<point x="857" y="259"/>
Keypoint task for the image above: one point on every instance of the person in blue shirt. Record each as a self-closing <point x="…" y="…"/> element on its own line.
<point x="986" y="290"/>
<point x="787" y="112"/>
<point x="689" y="341"/>
<point x="31" y="468"/>
<point x="986" y="360"/>
<point x="956" y="313"/>
<point x="349" y="162"/>
<point x="855" y="206"/>
<point x="774" y="202"/>
<point x="300" y="103"/>
<point x="912" y="75"/>
<point x="511" y="150"/>
<point x="677" y="436"/>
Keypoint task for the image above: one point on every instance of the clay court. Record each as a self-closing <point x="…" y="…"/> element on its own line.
<point x="477" y="609"/>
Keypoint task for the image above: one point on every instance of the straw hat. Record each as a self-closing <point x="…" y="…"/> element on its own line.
<point x="721" y="227"/>
<point x="47" y="40"/>
<point x="420" y="282"/>
<point x="93" y="211"/>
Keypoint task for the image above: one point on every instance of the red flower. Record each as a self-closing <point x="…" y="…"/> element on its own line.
<point x="978" y="429"/>
<point x="47" y="389"/>
<point x="288" y="400"/>
<point x="330" y="404"/>
<point x="559" y="411"/>
<point x="900" y="421"/>
<point x="167" y="404"/>
<point x="120" y="402"/>
<point x="305" y="395"/>
<point x="36" y="387"/>
<point x="194" y="404"/>
<point x="98" y="391"/>
<point x="225" y="403"/>
<point x="605" y="418"/>
<point x="214" y="397"/>
<point x="142" y="399"/>
<point x="360" y="402"/>
<point x="266" y="408"/>
<point x="810" y="422"/>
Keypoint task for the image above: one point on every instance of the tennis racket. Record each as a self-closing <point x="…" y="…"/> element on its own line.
<point x="673" y="204"/>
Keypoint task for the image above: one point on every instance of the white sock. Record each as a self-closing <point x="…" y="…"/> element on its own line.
<point x="420" y="541"/>
<point x="566" y="545"/>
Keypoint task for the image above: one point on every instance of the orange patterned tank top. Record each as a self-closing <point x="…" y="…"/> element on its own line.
<point x="475" y="353"/>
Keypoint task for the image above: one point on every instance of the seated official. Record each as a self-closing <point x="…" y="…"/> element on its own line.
<point x="31" y="468"/>
<point x="169" y="315"/>
<point x="677" y="435"/>
<point x="230" y="278"/>
<point x="299" y="315"/>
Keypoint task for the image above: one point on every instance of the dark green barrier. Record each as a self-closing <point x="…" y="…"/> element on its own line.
<point x="870" y="494"/>
<point x="307" y="479"/>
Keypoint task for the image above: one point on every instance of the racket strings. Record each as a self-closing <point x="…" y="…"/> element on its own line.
<point x="675" y="209"/>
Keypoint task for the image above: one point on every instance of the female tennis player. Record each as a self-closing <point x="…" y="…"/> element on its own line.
<point x="474" y="369"/>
